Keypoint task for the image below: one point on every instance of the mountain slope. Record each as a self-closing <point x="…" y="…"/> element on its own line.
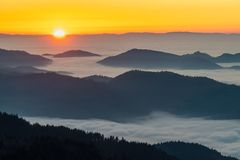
<point x="224" y="58"/>
<point x="75" y="53"/>
<point x="228" y="58"/>
<point x="140" y="58"/>
<point x="190" y="151"/>
<point x="19" y="140"/>
<point x="129" y="95"/>
<point x="199" y="54"/>
<point x="15" y="58"/>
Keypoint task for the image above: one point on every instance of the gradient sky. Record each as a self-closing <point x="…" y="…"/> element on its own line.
<point x="115" y="16"/>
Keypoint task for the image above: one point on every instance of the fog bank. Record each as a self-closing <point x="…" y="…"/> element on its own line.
<point x="223" y="135"/>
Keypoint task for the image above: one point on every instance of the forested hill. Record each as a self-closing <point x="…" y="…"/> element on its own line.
<point x="19" y="140"/>
<point x="130" y="95"/>
<point x="191" y="151"/>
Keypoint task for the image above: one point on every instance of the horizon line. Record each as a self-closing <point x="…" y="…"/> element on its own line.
<point x="124" y="33"/>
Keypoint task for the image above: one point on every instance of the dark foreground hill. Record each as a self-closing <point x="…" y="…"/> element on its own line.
<point x="21" y="141"/>
<point x="190" y="151"/>
<point x="75" y="53"/>
<point x="129" y="95"/>
<point x="142" y="58"/>
<point x="15" y="58"/>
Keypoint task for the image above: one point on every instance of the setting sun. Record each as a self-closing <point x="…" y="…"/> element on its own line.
<point x="59" y="33"/>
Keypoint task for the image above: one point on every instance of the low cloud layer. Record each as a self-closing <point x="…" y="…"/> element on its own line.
<point x="223" y="135"/>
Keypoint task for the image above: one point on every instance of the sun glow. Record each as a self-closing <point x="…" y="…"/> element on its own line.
<point x="59" y="33"/>
<point x="96" y="17"/>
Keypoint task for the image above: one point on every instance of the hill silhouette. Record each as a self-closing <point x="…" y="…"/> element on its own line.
<point x="228" y="58"/>
<point x="98" y="78"/>
<point x="129" y="95"/>
<point x="190" y="151"/>
<point x="202" y="55"/>
<point x="75" y="53"/>
<point x="16" y="58"/>
<point x="27" y="70"/>
<point x="20" y="70"/>
<point x="47" y="55"/>
<point x="21" y="140"/>
<point x="142" y="58"/>
<point x="224" y="58"/>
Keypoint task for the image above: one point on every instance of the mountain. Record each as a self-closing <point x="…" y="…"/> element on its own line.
<point x="15" y="58"/>
<point x="75" y="53"/>
<point x="201" y="55"/>
<point x="224" y="58"/>
<point x="21" y="70"/>
<point x="110" y="44"/>
<point x="130" y="95"/>
<point x="47" y="55"/>
<point x="142" y="58"/>
<point x="27" y="70"/>
<point x="234" y="67"/>
<point x="228" y="58"/>
<point x="190" y="151"/>
<point x="20" y="140"/>
<point x="98" y="78"/>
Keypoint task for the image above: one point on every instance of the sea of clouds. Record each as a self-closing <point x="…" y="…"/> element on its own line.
<point x="223" y="135"/>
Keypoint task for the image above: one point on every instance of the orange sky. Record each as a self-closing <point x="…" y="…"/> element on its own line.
<point x="118" y="16"/>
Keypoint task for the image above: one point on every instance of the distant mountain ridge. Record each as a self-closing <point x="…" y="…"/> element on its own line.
<point x="110" y="44"/>
<point x="130" y="95"/>
<point x="47" y="54"/>
<point x="224" y="58"/>
<point x="76" y="53"/>
<point x="228" y="58"/>
<point x="16" y="58"/>
<point x="98" y="78"/>
<point x="144" y="58"/>
<point x="21" y="70"/>
<point x="199" y="54"/>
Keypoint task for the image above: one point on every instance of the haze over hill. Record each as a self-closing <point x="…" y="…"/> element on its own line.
<point x="110" y="44"/>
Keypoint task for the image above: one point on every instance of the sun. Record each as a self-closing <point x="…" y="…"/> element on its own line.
<point x="59" y="33"/>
